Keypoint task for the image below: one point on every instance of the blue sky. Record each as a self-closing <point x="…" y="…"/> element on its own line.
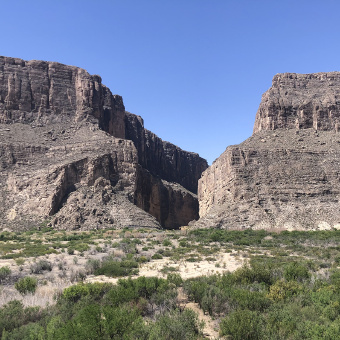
<point x="194" y="70"/>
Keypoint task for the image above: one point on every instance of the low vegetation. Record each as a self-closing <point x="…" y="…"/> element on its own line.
<point x="287" y="288"/>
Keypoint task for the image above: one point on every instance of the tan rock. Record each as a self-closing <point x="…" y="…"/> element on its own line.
<point x="292" y="180"/>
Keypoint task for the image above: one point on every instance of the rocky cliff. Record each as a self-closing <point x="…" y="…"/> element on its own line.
<point x="70" y="154"/>
<point x="301" y="101"/>
<point x="286" y="176"/>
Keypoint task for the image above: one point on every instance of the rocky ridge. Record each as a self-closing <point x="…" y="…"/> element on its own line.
<point x="286" y="176"/>
<point x="72" y="155"/>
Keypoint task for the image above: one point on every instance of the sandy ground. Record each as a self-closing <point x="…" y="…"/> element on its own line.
<point x="187" y="270"/>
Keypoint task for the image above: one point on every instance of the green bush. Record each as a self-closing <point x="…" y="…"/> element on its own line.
<point x="167" y="243"/>
<point x="242" y="325"/>
<point x="95" y="290"/>
<point x="14" y="315"/>
<point x="254" y="273"/>
<point x="4" y="273"/>
<point x="296" y="271"/>
<point x="70" y="251"/>
<point x="114" y="268"/>
<point x="283" y="290"/>
<point x="26" y="285"/>
<point x="176" y="326"/>
<point x="175" y="278"/>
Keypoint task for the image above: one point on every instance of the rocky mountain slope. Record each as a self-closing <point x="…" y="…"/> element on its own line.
<point x="73" y="157"/>
<point x="287" y="175"/>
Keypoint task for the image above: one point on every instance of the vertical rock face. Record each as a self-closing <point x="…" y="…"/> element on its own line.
<point x="71" y="154"/>
<point x="48" y="92"/>
<point x="164" y="159"/>
<point x="301" y="101"/>
<point x="286" y="175"/>
<point x="171" y="204"/>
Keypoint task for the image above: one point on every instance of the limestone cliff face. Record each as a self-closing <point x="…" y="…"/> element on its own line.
<point x="48" y="92"/>
<point x="301" y="101"/>
<point x="287" y="178"/>
<point x="72" y="155"/>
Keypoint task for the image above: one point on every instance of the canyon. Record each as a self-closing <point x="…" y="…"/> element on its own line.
<point x="72" y="157"/>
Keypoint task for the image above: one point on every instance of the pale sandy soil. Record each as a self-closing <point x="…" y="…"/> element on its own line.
<point x="187" y="270"/>
<point x="50" y="283"/>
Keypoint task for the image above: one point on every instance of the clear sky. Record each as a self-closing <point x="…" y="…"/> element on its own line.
<point x="194" y="70"/>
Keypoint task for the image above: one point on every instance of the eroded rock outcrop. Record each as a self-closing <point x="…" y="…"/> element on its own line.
<point x="70" y="155"/>
<point x="301" y="101"/>
<point x="48" y="92"/>
<point x="286" y="176"/>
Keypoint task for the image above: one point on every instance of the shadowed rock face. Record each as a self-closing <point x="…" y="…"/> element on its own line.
<point x="164" y="159"/>
<point x="70" y="154"/>
<point x="285" y="176"/>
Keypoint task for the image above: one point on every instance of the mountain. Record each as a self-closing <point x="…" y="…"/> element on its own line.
<point x="287" y="174"/>
<point x="72" y="157"/>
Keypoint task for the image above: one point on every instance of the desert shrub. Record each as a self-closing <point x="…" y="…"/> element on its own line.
<point x="332" y="311"/>
<point x="176" y="326"/>
<point x="40" y="266"/>
<point x="168" y="269"/>
<point x="167" y="243"/>
<point x="296" y="271"/>
<point x="34" y="250"/>
<point x="183" y="243"/>
<point x="143" y="259"/>
<point x="5" y="272"/>
<point x="81" y="247"/>
<point x="92" y="265"/>
<point x="70" y="250"/>
<point x="95" y="290"/>
<point x="193" y="259"/>
<point x="113" y="268"/>
<point x="94" y="322"/>
<point x="20" y="261"/>
<point x="196" y="289"/>
<point x="26" y="285"/>
<point x="156" y="256"/>
<point x="242" y="325"/>
<point x="120" y="294"/>
<point x="124" y="323"/>
<point x="14" y="315"/>
<point x="254" y="273"/>
<point x="335" y="278"/>
<point x="246" y="299"/>
<point x="324" y="296"/>
<point x="283" y="290"/>
<point x="212" y="301"/>
<point x="175" y="278"/>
